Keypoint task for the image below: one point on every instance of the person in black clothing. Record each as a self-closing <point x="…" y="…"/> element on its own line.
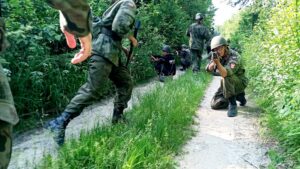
<point x="165" y="64"/>
<point x="185" y="57"/>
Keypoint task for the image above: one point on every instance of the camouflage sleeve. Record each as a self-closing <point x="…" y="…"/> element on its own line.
<point x="77" y="14"/>
<point x="124" y="18"/>
<point x="233" y="65"/>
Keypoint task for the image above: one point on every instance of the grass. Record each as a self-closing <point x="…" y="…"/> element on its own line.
<point x="157" y="129"/>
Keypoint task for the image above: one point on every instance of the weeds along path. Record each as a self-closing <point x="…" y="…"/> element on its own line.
<point x="221" y="142"/>
<point x="29" y="148"/>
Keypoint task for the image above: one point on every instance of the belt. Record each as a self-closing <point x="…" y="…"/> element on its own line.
<point x="111" y="34"/>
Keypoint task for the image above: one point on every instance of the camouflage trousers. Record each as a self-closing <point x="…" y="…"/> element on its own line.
<point x="5" y="144"/>
<point x="101" y="70"/>
<point x="196" y="59"/>
<point x="230" y="86"/>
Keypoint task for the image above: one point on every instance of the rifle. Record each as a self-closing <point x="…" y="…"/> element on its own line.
<point x="136" y="29"/>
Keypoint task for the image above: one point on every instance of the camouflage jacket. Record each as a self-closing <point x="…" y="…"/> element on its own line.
<point x="233" y="65"/>
<point x="118" y="21"/>
<point x="198" y="34"/>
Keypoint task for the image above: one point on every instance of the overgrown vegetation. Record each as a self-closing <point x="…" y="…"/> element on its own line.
<point x="268" y="33"/>
<point x="43" y="80"/>
<point x="157" y="129"/>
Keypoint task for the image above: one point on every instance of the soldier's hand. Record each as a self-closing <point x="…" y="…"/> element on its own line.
<point x="85" y="42"/>
<point x="86" y="47"/>
<point x="216" y="60"/>
<point x="85" y="51"/>
<point x="133" y="41"/>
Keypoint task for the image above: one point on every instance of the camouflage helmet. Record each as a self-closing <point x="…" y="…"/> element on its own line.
<point x="199" y="16"/>
<point x="218" y="41"/>
<point x="166" y="48"/>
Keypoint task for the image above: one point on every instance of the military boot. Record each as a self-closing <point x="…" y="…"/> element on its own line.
<point x="58" y="127"/>
<point x="241" y="98"/>
<point x="232" y="110"/>
<point x="118" y="115"/>
<point x="161" y="78"/>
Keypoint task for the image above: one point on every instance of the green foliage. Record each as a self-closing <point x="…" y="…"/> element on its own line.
<point x="202" y="6"/>
<point x="271" y="48"/>
<point x="152" y="136"/>
<point x="43" y="80"/>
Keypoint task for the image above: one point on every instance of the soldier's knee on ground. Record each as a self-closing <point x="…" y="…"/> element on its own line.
<point x="232" y="86"/>
<point x="219" y="103"/>
<point x="5" y="144"/>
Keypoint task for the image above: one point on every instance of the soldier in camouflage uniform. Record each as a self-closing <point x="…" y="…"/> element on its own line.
<point x="105" y="63"/>
<point x="77" y="14"/>
<point x="198" y="34"/>
<point x="227" y="63"/>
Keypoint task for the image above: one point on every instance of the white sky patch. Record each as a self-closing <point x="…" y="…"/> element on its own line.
<point x="224" y="11"/>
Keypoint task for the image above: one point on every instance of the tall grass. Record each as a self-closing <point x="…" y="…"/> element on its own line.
<point x="157" y="129"/>
<point x="269" y="36"/>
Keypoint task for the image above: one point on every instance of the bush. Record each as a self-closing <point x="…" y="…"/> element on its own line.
<point x="271" y="49"/>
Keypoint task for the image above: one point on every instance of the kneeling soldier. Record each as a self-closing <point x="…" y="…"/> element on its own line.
<point x="226" y="62"/>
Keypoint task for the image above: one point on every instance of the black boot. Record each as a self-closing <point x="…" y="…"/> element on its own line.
<point x="241" y="98"/>
<point x="58" y="126"/>
<point x="161" y="78"/>
<point x="232" y="110"/>
<point x="118" y="115"/>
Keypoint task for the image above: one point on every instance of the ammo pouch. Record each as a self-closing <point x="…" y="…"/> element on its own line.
<point x="99" y="28"/>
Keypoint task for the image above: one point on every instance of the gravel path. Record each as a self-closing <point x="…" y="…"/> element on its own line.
<point x="221" y="142"/>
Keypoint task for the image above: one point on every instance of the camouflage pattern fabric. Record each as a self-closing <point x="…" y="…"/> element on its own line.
<point x="5" y="144"/>
<point x="3" y="40"/>
<point x="198" y="34"/>
<point x="77" y="14"/>
<point x="185" y="58"/>
<point x="218" y="101"/>
<point x="101" y="70"/>
<point x="196" y="56"/>
<point x="7" y="108"/>
<point x="235" y="82"/>
<point x="119" y="19"/>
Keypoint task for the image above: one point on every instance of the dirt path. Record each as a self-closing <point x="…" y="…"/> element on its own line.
<point x="224" y="143"/>
<point x="29" y="148"/>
